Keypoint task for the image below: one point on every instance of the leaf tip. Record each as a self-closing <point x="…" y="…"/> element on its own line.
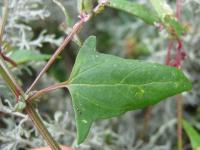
<point x="83" y="127"/>
<point x="187" y="84"/>
<point x="89" y="45"/>
<point x="92" y="37"/>
<point x="91" y="40"/>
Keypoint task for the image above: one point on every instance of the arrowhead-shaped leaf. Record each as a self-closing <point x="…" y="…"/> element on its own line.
<point x="104" y="86"/>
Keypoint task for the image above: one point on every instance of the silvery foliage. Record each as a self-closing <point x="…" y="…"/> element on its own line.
<point x="22" y="12"/>
<point x="17" y="130"/>
<point x="120" y="133"/>
<point x="192" y="40"/>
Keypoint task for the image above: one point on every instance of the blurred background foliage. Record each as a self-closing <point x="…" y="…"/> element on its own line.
<point x="35" y="28"/>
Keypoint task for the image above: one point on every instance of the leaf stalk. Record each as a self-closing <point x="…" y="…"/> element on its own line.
<point x="40" y="93"/>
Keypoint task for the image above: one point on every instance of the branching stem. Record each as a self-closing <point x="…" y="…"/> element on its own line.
<point x="11" y="82"/>
<point x="83" y="18"/>
<point x="40" y="93"/>
<point x="18" y="92"/>
<point x="75" y="29"/>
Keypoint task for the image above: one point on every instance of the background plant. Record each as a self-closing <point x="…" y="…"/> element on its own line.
<point x="142" y="42"/>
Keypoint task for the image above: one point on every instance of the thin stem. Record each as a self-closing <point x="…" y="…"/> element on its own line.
<point x="17" y="91"/>
<point x="11" y="82"/>
<point x="9" y="60"/>
<point x="9" y="78"/>
<point x="41" y="128"/>
<point x="147" y="116"/>
<point x="169" y="48"/>
<point x="2" y="28"/>
<point x="83" y="18"/>
<point x="5" y="15"/>
<point x="75" y="28"/>
<point x="40" y="93"/>
<point x="179" y="97"/>
<point x="179" y="104"/>
<point x="178" y="9"/>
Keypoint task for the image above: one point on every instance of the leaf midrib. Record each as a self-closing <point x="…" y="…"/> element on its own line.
<point x="124" y="84"/>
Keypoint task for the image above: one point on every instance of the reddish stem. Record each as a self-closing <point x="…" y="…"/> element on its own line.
<point x="12" y="62"/>
<point x="46" y="90"/>
<point x="83" y="18"/>
<point x="178" y="9"/>
<point x="169" y="49"/>
<point x="180" y="55"/>
<point x="75" y="28"/>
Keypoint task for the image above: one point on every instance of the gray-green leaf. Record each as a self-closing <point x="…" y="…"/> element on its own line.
<point x="138" y="10"/>
<point x="23" y="56"/>
<point x="103" y="86"/>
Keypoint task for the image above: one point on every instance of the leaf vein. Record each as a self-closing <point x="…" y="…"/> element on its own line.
<point x="124" y="84"/>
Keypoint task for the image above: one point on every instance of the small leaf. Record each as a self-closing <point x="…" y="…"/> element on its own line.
<point x="62" y="7"/>
<point x="138" y="10"/>
<point x="23" y="56"/>
<point x="193" y="135"/>
<point x="19" y="107"/>
<point x="103" y="86"/>
<point x="173" y="26"/>
<point x="162" y="8"/>
<point x="168" y="18"/>
<point x="85" y="5"/>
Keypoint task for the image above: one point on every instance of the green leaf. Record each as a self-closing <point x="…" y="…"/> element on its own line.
<point x="173" y="26"/>
<point x="85" y="5"/>
<point x="168" y="18"/>
<point x="193" y="135"/>
<point x="162" y="8"/>
<point x="103" y="86"/>
<point x="19" y="107"/>
<point x="23" y="56"/>
<point x="62" y="7"/>
<point x="138" y="10"/>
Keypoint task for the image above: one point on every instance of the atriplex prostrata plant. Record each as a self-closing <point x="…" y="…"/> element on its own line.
<point x="99" y="81"/>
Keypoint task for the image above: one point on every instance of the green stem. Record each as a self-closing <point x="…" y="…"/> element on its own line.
<point x="18" y="92"/>
<point x="5" y="15"/>
<point x="179" y="121"/>
<point x="41" y="127"/>
<point x="11" y="82"/>
<point x="179" y="101"/>
<point x="16" y="89"/>
<point x="9" y="78"/>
